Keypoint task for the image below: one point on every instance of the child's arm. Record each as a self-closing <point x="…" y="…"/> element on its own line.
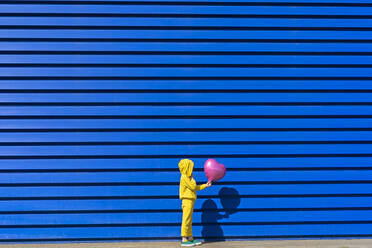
<point x="203" y="186"/>
<point x="191" y="184"/>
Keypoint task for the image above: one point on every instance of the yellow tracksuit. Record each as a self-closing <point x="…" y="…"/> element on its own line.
<point x="188" y="190"/>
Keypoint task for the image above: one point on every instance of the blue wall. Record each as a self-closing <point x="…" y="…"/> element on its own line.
<point x="100" y="99"/>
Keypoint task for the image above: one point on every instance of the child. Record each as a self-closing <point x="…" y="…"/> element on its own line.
<point x="188" y="190"/>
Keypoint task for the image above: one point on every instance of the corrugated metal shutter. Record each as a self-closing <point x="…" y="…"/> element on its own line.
<point x="100" y="99"/>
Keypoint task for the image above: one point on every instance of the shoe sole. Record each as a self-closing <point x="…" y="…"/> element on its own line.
<point x="190" y="245"/>
<point x="199" y="243"/>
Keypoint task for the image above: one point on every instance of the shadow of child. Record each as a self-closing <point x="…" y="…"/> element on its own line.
<point x="212" y="231"/>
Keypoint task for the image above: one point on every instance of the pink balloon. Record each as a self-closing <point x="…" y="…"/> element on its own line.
<point x="214" y="170"/>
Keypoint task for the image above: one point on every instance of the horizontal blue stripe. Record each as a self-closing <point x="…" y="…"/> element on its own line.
<point x="186" y="72"/>
<point x="170" y="22"/>
<point x="259" y="1"/>
<point x="165" y="231"/>
<point x="172" y="190"/>
<point x="264" y="2"/>
<point x="183" y="34"/>
<point x="224" y="2"/>
<point x="185" y="97"/>
<point x="186" y="59"/>
<point x="186" y="111"/>
<point x="161" y="9"/>
<point x="186" y="150"/>
<point x="223" y="123"/>
<point x="171" y="163"/>
<point x="231" y="176"/>
<point x="188" y="84"/>
<point x="151" y="204"/>
<point x="186" y="46"/>
<point x="184" y="136"/>
<point x="198" y="217"/>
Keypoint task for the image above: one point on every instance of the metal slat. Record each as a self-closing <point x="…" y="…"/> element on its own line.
<point x="279" y="190"/>
<point x="182" y="112"/>
<point x="95" y="233"/>
<point x="186" y="34"/>
<point x="180" y="9"/>
<point x="157" y="60"/>
<point x="170" y="47"/>
<point x="235" y="176"/>
<point x="112" y="86"/>
<point x="182" y="136"/>
<point x="194" y="22"/>
<point x="294" y="202"/>
<point x="184" y="98"/>
<point x="174" y="217"/>
<point x="170" y="164"/>
<point x="254" y="123"/>
<point x="190" y="150"/>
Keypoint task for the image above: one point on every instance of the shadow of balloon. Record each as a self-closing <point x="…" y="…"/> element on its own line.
<point x="211" y="229"/>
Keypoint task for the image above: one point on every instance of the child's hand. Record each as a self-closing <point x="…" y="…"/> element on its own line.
<point x="209" y="184"/>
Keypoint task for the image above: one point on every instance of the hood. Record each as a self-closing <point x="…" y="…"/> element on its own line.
<point x="186" y="167"/>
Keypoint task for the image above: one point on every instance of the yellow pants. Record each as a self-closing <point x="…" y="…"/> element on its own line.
<point x="187" y="210"/>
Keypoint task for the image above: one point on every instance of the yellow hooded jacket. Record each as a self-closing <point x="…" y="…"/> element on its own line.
<point x="188" y="185"/>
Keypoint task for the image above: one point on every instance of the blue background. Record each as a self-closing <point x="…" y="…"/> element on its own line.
<point x="100" y="99"/>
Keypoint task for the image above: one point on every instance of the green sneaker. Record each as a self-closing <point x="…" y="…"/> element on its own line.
<point x="196" y="242"/>
<point x="187" y="243"/>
